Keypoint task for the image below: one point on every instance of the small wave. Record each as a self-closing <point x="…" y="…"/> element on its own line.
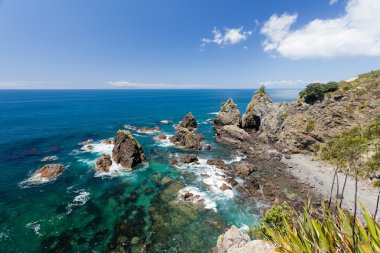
<point x="210" y="175"/>
<point x="236" y="158"/>
<point x="164" y="142"/>
<point x="36" y="180"/>
<point x="49" y="158"/>
<point x="199" y="197"/>
<point x="213" y="113"/>
<point x="129" y="127"/>
<point x="35" y="226"/>
<point x="4" y="235"/>
<point x="165" y="122"/>
<point x="78" y="200"/>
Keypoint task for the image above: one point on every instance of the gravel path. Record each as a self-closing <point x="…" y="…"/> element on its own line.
<point x="319" y="176"/>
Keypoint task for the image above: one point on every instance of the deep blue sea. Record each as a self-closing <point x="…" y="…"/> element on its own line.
<point x="123" y="212"/>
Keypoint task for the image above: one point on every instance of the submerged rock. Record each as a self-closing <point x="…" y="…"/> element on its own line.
<point x="104" y="163"/>
<point x="162" y="137"/>
<point x="188" y="122"/>
<point x="229" y="114"/>
<point x="49" y="171"/>
<point x="206" y="147"/>
<point x="127" y="151"/>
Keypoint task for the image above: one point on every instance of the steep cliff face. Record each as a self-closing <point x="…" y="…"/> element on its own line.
<point x="299" y="127"/>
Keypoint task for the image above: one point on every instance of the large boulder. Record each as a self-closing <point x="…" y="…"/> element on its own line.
<point x="127" y="151"/>
<point x="258" y="108"/>
<point x="229" y="114"/>
<point x="187" y="139"/>
<point x="232" y="134"/>
<point x="188" y="122"/>
<point x="49" y="171"/>
<point x="104" y="163"/>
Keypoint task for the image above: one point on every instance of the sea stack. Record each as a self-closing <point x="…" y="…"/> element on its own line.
<point x="229" y="114"/>
<point x="260" y="106"/>
<point x="186" y="135"/>
<point x="127" y="151"/>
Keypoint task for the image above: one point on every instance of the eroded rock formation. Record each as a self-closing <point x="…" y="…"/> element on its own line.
<point x="127" y="151"/>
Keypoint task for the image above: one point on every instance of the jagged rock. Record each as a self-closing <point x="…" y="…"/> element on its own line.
<point x="149" y="129"/>
<point x="188" y="139"/>
<point x="225" y="187"/>
<point x="231" y="181"/>
<point x="189" y="158"/>
<point x="49" y="171"/>
<point x="162" y="137"/>
<point x="107" y="142"/>
<point x="127" y="151"/>
<point x="173" y="161"/>
<point x="219" y="163"/>
<point x="104" y="163"/>
<point x="206" y="147"/>
<point x="232" y="134"/>
<point x="243" y="169"/>
<point x="256" y="110"/>
<point x="188" y="122"/>
<point x="186" y="135"/>
<point x="229" y="114"/>
<point x="235" y="241"/>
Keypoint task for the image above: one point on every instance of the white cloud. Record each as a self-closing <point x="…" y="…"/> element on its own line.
<point x="26" y="84"/>
<point x="132" y="85"/>
<point x="355" y="33"/>
<point x="333" y="2"/>
<point x="288" y="84"/>
<point x="227" y="37"/>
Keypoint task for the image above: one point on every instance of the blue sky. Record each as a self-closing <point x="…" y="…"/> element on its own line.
<point x="185" y="43"/>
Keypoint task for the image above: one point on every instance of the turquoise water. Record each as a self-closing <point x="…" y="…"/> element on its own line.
<point x="124" y="211"/>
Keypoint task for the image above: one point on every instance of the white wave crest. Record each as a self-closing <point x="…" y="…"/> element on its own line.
<point x="198" y="197"/>
<point x="78" y="200"/>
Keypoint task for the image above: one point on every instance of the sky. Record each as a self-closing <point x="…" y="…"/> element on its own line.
<point x="185" y="44"/>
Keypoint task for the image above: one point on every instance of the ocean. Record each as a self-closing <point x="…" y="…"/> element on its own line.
<point x="121" y="211"/>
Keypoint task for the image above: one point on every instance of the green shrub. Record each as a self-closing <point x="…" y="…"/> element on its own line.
<point x="315" y="91"/>
<point x="310" y="125"/>
<point x="261" y="90"/>
<point x="274" y="218"/>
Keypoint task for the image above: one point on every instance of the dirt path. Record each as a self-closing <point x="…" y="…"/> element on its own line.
<point x="320" y="176"/>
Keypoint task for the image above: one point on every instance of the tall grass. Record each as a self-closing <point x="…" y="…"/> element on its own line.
<point x="329" y="232"/>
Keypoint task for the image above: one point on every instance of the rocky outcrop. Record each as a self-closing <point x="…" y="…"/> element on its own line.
<point x="149" y="129"/>
<point x="49" y="171"/>
<point x="189" y="158"/>
<point x="127" y="151"/>
<point x="229" y="114"/>
<point x="186" y="135"/>
<point x="235" y="241"/>
<point x="187" y="139"/>
<point x="188" y="122"/>
<point x="218" y="163"/>
<point x="243" y="169"/>
<point x="104" y="163"/>
<point x="232" y="134"/>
